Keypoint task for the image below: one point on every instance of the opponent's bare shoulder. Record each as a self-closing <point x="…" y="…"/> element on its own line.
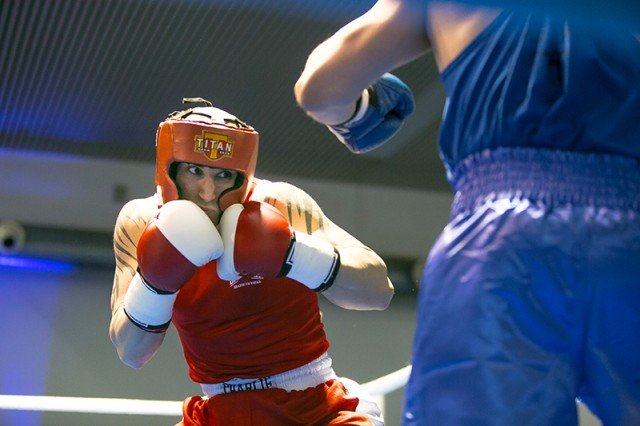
<point x="453" y="26"/>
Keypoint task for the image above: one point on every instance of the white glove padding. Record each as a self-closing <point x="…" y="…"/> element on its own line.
<point x="258" y="241"/>
<point x="190" y="231"/>
<point x="173" y="245"/>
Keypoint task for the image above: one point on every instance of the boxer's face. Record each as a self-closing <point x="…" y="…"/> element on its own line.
<point x="203" y="185"/>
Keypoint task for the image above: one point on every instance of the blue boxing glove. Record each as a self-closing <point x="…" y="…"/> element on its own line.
<point x="380" y="112"/>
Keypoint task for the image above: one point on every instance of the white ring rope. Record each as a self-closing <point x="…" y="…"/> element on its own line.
<point x="70" y="404"/>
<point x="389" y="383"/>
<point x="378" y="387"/>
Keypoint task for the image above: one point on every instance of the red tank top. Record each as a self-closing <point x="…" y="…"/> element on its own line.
<point x="246" y="328"/>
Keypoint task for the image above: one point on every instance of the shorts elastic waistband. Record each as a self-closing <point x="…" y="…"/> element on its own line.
<point x="550" y="177"/>
<point x="309" y="375"/>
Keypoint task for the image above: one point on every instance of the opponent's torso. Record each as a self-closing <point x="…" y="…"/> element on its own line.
<point x="248" y="328"/>
<point x="531" y="82"/>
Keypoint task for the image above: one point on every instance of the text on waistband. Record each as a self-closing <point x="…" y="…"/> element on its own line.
<point x="261" y="383"/>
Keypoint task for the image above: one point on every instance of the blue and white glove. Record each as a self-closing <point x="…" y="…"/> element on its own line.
<point x="380" y="112"/>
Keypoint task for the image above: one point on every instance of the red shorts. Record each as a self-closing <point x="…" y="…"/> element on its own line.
<point x="325" y="404"/>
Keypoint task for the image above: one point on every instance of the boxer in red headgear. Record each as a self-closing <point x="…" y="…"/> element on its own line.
<point x="236" y="264"/>
<point x="206" y="136"/>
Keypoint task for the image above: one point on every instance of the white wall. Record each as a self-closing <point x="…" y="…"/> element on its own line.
<point x="82" y="193"/>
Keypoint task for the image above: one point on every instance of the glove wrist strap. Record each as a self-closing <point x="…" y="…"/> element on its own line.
<point x="312" y="262"/>
<point x="146" y="308"/>
<point x="361" y="108"/>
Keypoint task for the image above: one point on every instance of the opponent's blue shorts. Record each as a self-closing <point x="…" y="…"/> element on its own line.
<point x="531" y="295"/>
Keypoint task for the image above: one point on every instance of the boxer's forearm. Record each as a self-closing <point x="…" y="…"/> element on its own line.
<point x="135" y="346"/>
<point x="362" y="282"/>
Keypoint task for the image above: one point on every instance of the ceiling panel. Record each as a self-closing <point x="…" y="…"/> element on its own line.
<point x="96" y="77"/>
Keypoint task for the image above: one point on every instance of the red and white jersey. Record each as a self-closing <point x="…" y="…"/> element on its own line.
<point x="248" y="328"/>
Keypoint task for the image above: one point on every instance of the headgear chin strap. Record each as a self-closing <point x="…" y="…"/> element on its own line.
<point x="206" y="136"/>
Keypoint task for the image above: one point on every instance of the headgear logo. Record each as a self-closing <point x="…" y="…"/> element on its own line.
<point x="213" y="145"/>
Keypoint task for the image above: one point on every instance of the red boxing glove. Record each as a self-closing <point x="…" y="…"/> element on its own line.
<point x="258" y="240"/>
<point x="172" y="246"/>
<point x="256" y="237"/>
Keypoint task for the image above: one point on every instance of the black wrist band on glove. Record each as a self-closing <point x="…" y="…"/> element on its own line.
<point x="361" y="105"/>
<point x="325" y="285"/>
<point x="152" y="288"/>
<point x="286" y="266"/>
<point x="356" y="110"/>
<point x="146" y="327"/>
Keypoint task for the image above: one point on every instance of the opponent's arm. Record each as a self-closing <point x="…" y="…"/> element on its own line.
<point x="286" y="233"/>
<point x="390" y="34"/>
<point x="155" y="257"/>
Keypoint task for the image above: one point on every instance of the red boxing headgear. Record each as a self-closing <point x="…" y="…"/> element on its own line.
<point x="206" y="136"/>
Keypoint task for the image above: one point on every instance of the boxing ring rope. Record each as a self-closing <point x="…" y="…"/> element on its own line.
<point x="377" y="388"/>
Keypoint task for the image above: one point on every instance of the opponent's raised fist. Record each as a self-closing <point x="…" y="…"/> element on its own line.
<point x="172" y="246"/>
<point x="258" y="240"/>
<point x="380" y="113"/>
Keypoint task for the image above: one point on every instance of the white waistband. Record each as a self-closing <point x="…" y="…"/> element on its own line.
<point x="309" y="375"/>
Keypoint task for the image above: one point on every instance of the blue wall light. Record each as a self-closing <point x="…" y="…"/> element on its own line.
<point x="35" y="264"/>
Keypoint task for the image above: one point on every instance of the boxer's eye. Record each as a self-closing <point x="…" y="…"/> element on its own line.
<point x="226" y="175"/>
<point x="195" y="170"/>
